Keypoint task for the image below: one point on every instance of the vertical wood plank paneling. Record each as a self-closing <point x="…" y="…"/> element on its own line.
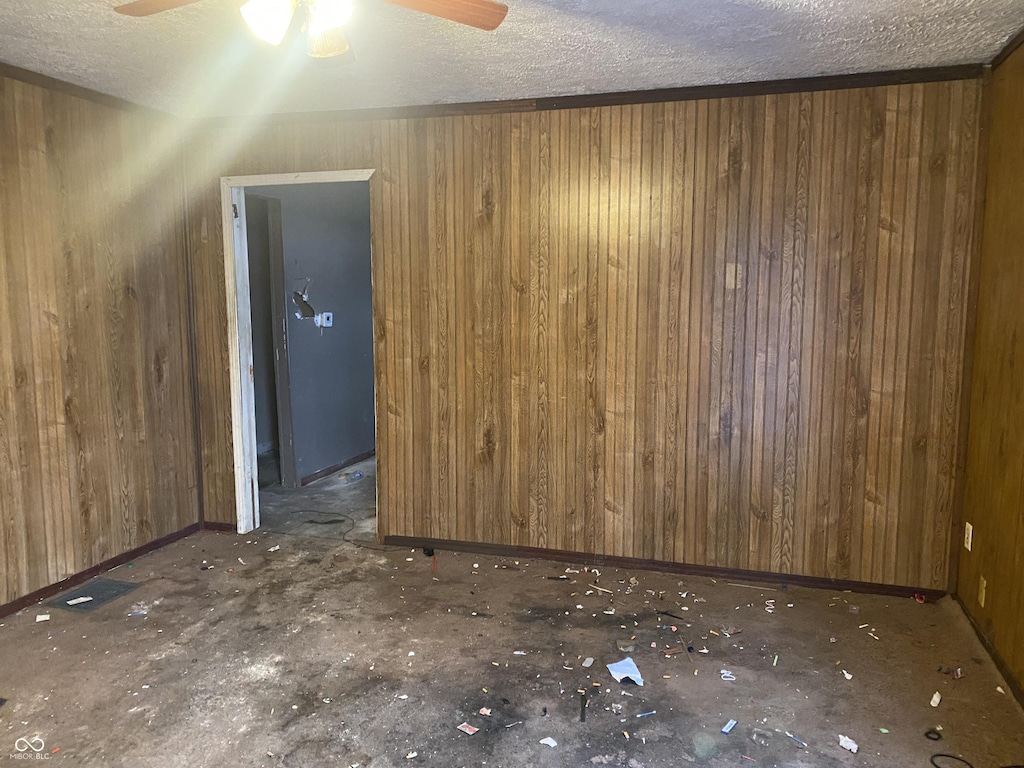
<point x="97" y="450"/>
<point x="749" y="513"/>
<point x="649" y="451"/>
<point x="598" y="311"/>
<point x="720" y="332"/>
<point x="664" y="340"/>
<point x="994" y="491"/>
<point x="677" y="229"/>
<point x="614" y="329"/>
<point x="463" y="304"/>
<point x="408" y="308"/>
<point x="540" y="409"/>
<point x="773" y="339"/>
<point x="558" y="509"/>
<point x="872" y="116"/>
<point x="703" y="298"/>
<point x="906" y="524"/>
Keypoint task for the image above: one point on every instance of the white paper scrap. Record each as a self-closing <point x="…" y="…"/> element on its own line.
<point x="847" y="743"/>
<point x="621" y="670"/>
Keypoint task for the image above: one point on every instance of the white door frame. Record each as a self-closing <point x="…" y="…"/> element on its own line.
<point x="236" y="284"/>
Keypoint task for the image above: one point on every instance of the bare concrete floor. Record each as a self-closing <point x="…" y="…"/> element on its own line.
<point x="324" y="653"/>
<point x="339" y="506"/>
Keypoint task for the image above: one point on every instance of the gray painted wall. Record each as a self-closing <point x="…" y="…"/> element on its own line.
<point x="326" y="234"/>
<point x="262" y="323"/>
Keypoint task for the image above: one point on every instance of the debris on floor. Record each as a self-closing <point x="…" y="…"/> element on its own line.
<point x="329" y="628"/>
<point x="626" y="670"/>
<point x="801" y="742"/>
<point x="847" y="743"/>
<point x="761" y="736"/>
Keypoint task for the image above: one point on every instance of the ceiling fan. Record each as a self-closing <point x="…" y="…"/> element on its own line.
<point x="270" y="20"/>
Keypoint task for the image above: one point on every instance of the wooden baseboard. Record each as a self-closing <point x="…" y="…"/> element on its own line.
<point x="336" y="468"/>
<point x="1016" y="687"/>
<point x="83" y="576"/>
<point x="220" y="527"/>
<point x="503" y="550"/>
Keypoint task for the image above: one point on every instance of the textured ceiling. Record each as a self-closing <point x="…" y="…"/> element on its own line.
<point x="200" y="60"/>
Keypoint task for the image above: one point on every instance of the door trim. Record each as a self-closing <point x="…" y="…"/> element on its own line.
<point x="236" y="284"/>
<point x="279" y="324"/>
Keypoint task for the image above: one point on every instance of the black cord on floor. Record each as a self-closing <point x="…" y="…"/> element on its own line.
<point x="961" y="761"/>
<point x="360" y="544"/>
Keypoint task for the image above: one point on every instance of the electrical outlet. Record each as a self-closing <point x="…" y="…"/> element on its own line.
<point x="981" y="591"/>
<point x="968" y="536"/>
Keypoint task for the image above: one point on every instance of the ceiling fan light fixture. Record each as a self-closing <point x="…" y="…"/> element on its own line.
<point x="268" y="19"/>
<point x="324" y="37"/>
<point x="328" y="14"/>
<point x="328" y="43"/>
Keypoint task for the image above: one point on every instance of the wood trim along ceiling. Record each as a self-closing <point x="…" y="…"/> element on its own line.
<point x="79" y="92"/>
<point x="725" y="90"/>
<point x="1011" y="46"/>
<point x="662" y="95"/>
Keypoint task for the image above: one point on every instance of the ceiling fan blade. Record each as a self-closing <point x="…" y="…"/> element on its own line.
<point x="482" y="14"/>
<point x="149" y="7"/>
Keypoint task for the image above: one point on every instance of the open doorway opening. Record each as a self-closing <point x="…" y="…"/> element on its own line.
<point x="297" y="258"/>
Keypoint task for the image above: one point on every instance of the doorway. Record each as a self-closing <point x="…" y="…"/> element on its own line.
<point x="302" y="307"/>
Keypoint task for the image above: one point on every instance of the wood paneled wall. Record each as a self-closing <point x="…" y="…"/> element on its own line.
<point x="994" y="490"/>
<point x="725" y="332"/>
<point x="97" y="444"/>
